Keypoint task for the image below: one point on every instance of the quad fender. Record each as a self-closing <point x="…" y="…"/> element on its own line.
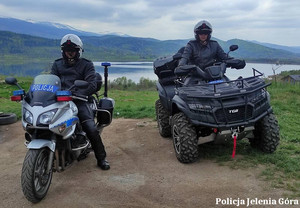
<point x="179" y="105"/>
<point x="41" y="143"/>
<point x="165" y="95"/>
<point x="161" y="90"/>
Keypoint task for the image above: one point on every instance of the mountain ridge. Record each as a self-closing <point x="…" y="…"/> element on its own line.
<point x="115" y="48"/>
<point x="20" y="47"/>
<point x="294" y="49"/>
<point x="40" y="29"/>
<point x="57" y="30"/>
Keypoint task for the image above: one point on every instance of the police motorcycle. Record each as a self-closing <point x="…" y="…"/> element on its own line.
<point x="49" y="117"/>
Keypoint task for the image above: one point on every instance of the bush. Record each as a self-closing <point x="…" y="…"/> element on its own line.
<point x="122" y="83"/>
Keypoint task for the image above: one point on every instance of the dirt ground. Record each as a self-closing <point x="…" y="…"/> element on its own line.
<point x="144" y="173"/>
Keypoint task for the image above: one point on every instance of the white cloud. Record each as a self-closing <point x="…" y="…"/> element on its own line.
<point x="275" y="21"/>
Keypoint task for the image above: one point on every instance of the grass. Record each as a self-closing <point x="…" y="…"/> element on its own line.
<point x="134" y="104"/>
<point x="281" y="169"/>
<point x="129" y="103"/>
<point x="6" y="91"/>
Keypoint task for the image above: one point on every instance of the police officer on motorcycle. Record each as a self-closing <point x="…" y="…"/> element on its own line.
<point x="202" y="51"/>
<point x="73" y="67"/>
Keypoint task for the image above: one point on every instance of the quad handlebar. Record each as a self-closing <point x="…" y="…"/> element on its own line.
<point x="213" y="71"/>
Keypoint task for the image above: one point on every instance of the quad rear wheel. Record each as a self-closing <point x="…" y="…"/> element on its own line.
<point x="185" y="139"/>
<point x="266" y="134"/>
<point x="35" y="179"/>
<point x="162" y="117"/>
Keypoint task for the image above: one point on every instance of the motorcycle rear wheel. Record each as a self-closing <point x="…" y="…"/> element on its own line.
<point x="35" y="181"/>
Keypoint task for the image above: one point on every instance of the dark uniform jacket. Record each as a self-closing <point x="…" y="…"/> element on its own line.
<point x="82" y="70"/>
<point x="200" y="55"/>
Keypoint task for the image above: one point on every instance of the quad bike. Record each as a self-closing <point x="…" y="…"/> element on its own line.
<point x="197" y="106"/>
<point x="49" y="117"/>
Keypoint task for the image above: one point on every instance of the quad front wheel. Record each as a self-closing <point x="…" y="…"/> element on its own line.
<point x="266" y="134"/>
<point x="35" y="179"/>
<point x="185" y="139"/>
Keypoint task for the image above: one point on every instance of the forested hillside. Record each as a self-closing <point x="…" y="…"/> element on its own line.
<point x="22" y="49"/>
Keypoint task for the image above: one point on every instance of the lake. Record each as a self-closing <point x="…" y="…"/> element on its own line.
<point x="136" y="70"/>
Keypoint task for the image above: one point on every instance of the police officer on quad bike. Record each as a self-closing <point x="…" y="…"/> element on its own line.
<point x="197" y="104"/>
<point x="202" y="51"/>
<point x="72" y="67"/>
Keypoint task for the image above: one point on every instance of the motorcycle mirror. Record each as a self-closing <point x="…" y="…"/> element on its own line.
<point x="11" y="80"/>
<point x="81" y="83"/>
<point x="233" y="47"/>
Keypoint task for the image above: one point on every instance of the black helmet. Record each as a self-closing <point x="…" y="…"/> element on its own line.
<point x="203" y="27"/>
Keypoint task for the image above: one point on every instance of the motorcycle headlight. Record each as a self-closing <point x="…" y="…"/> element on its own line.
<point x="46" y="117"/>
<point x="27" y="116"/>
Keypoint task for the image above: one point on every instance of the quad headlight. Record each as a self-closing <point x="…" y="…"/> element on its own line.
<point x="200" y="107"/>
<point x="46" y="118"/>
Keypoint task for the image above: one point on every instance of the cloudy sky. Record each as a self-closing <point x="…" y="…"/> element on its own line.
<point x="272" y="21"/>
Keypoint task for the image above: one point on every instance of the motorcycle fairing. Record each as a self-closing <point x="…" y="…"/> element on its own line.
<point x="69" y="126"/>
<point x="41" y="143"/>
<point x="42" y="92"/>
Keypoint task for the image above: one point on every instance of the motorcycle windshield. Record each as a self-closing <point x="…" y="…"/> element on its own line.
<point x="42" y="91"/>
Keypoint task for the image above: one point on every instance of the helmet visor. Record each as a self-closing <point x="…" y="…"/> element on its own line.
<point x="204" y="32"/>
<point x="69" y="47"/>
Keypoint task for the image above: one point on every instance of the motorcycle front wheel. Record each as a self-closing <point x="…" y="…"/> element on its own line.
<point x="35" y="179"/>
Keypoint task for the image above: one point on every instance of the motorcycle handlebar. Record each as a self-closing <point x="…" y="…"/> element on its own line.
<point x="80" y="97"/>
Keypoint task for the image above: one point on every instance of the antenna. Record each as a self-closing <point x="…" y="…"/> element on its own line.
<point x="106" y="65"/>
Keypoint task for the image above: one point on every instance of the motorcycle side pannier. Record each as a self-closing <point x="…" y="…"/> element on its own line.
<point x="105" y="111"/>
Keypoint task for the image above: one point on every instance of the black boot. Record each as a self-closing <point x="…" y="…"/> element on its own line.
<point x="100" y="153"/>
<point x="103" y="164"/>
<point x="97" y="145"/>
